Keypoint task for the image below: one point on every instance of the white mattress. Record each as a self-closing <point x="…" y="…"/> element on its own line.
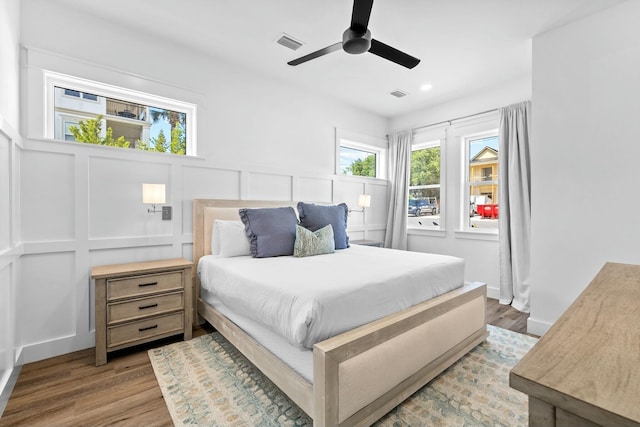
<point x="307" y="300"/>
<point x="298" y="359"/>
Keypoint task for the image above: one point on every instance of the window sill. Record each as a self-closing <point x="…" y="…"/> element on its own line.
<point x="358" y="178"/>
<point x="478" y="235"/>
<point x="431" y="232"/>
<point x="57" y="145"/>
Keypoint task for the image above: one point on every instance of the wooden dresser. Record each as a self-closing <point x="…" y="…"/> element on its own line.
<point x="585" y="371"/>
<point x="141" y="302"/>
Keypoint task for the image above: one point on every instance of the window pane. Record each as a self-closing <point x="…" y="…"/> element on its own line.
<point x="170" y="127"/>
<point x="425" y="166"/>
<point x="483" y="183"/>
<point x="357" y="162"/>
<point x="424" y="189"/>
<point x="424" y="207"/>
<point x="120" y="123"/>
<point x="70" y="92"/>
<point x="68" y="136"/>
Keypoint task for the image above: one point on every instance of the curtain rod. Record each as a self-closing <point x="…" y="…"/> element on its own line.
<point x="453" y="120"/>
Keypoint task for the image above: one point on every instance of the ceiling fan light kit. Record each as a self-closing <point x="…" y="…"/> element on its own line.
<point x="357" y="39"/>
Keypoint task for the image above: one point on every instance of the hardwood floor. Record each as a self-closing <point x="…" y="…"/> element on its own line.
<point x="506" y="317"/>
<point x="69" y="390"/>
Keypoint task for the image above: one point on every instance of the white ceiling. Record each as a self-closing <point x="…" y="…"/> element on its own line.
<point x="464" y="45"/>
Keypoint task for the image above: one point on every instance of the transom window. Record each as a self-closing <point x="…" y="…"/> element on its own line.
<point x="360" y="155"/>
<point x="96" y="113"/>
<point x="357" y="162"/>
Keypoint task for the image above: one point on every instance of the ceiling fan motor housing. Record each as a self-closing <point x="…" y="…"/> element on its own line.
<point x="357" y="39"/>
<point x="356" y="42"/>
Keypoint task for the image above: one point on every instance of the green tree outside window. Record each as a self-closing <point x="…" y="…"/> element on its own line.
<point x="88" y="132"/>
<point x="425" y="166"/>
<point x="360" y="167"/>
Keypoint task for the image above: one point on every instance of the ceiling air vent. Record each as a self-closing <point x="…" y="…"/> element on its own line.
<point x="288" y="41"/>
<point x="398" y="93"/>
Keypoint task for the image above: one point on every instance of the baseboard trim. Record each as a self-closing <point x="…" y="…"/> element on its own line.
<point x="56" y="347"/>
<point x="493" y="293"/>
<point x="537" y="327"/>
<point x="7" y="382"/>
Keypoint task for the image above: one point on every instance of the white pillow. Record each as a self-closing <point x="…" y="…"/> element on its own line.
<point x="229" y="239"/>
<point x="215" y="237"/>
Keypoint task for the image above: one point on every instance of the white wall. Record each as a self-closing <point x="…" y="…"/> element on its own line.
<point x="10" y="147"/>
<point x="585" y="154"/>
<point x="258" y="138"/>
<point x="480" y="251"/>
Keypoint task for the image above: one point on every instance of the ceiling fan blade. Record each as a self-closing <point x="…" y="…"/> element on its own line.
<point x="360" y="15"/>
<point x="393" y="54"/>
<point x="316" y="54"/>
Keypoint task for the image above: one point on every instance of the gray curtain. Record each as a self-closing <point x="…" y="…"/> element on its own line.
<point x="515" y="205"/>
<point x="399" y="160"/>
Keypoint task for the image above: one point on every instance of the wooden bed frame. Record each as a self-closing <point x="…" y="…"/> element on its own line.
<point x="362" y="374"/>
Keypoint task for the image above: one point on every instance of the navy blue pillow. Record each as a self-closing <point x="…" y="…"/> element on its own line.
<point x="272" y="231"/>
<point x="314" y="217"/>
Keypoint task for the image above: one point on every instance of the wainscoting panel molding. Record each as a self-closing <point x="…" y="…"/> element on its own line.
<point x="268" y="186"/>
<point x="11" y="251"/>
<point x="48" y="199"/>
<point x="313" y="189"/>
<point x="115" y="198"/>
<point x="84" y="208"/>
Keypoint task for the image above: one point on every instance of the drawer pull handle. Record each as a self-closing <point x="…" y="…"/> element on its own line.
<point x="147" y="328"/>
<point x="147" y="284"/>
<point x="143" y="307"/>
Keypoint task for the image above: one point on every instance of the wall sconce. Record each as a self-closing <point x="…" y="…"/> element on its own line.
<point x="364" y="201"/>
<point x="155" y="194"/>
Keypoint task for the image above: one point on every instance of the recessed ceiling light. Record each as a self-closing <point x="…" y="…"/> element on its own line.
<point x="426" y="86"/>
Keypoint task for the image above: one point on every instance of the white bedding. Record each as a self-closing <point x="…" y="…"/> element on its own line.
<point x="307" y="300"/>
<point x="298" y="359"/>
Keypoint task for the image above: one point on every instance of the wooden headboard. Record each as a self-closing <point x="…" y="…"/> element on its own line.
<point x="205" y="211"/>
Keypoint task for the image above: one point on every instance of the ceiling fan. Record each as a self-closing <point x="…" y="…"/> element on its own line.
<point x="357" y="39"/>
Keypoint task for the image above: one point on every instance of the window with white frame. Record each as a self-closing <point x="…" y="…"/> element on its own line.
<point x="78" y="94"/>
<point x="425" y="192"/>
<point x="68" y="134"/>
<point x="481" y="181"/>
<point x="360" y="155"/>
<point x="97" y="113"/>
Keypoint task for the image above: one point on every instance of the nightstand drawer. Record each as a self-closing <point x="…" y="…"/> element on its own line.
<point x="143" y="285"/>
<point x="142" y="329"/>
<point x="144" y="307"/>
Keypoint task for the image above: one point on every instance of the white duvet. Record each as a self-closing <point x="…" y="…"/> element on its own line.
<point x="307" y="300"/>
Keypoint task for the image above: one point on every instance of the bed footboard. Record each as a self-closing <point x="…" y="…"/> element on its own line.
<point x="362" y="374"/>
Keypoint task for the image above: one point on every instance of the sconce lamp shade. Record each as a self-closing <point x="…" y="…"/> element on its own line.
<point x="364" y="201"/>
<point x="153" y="193"/>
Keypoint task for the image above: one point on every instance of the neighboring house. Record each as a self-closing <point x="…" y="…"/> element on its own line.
<point x="483" y="167"/>
<point x="127" y="119"/>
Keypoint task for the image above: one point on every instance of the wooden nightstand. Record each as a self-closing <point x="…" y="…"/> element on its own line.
<point x="375" y="243"/>
<point x="141" y="302"/>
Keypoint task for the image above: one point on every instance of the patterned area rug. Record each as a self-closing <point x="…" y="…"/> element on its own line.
<point x="207" y="382"/>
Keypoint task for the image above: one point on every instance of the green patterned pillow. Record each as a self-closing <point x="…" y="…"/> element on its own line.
<point x="314" y="242"/>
